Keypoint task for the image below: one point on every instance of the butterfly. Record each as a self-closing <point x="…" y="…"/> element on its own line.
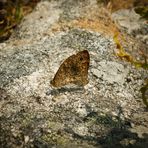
<point x="73" y="70"/>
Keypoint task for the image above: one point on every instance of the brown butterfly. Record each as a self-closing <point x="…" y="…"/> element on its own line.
<point x="73" y="70"/>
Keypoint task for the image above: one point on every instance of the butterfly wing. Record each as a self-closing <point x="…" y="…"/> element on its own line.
<point x="62" y="76"/>
<point x="73" y="70"/>
<point x="82" y="62"/>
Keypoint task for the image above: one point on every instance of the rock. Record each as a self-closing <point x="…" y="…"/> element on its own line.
<point x="81" y="130"/>
<point x="111" y="72"/>
<point x="34" y="114"/>
<point x="128" y="19"/>
<point x="26" y="139"/>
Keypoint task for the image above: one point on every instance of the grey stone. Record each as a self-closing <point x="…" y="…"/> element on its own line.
<point x="34" y="114"/>
<point x="112" y="72"/>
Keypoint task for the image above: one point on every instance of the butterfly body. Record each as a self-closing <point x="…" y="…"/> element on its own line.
<point x="73" y="70"/>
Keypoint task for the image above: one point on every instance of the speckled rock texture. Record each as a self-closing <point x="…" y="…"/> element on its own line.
<point x="107" y="112"/>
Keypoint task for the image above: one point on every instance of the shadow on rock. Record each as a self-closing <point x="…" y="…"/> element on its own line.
<point x="124" y="139"/>
<point x="58" y="91"/>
